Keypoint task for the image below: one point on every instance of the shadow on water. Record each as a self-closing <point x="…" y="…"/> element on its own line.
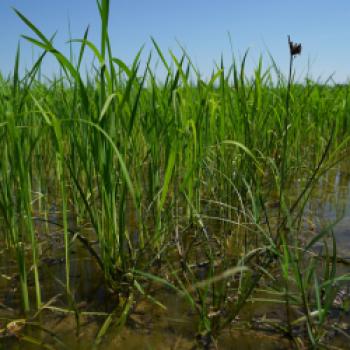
<point x="149" y="326"/>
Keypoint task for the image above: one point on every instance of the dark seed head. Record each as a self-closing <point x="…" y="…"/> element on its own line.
<point x="295" y="49"/>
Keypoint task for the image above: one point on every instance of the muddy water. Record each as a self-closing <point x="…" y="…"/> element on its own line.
<point x="331" y="204"/>
<point x="149" y="326"/>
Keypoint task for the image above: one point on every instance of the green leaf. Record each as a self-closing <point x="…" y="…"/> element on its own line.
<point x="167" y="177"/>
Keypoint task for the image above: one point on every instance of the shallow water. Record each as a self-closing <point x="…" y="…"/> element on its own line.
<point x="149" y="326"/>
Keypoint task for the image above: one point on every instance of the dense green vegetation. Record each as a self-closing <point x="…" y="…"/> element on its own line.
<point x="173" y="176"/>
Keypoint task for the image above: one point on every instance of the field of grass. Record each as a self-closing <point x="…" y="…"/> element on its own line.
<point x="198" y="187"/>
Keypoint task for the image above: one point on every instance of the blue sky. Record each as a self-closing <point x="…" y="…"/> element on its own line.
<point x="201" y="26"/>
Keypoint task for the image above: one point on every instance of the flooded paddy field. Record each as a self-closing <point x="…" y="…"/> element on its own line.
<point x="168" y="321"/>
<point x="183" y="213"/>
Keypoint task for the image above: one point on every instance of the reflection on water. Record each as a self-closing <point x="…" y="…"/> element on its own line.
<point x="149" y="327"/>
<point x="330" y="203"/>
